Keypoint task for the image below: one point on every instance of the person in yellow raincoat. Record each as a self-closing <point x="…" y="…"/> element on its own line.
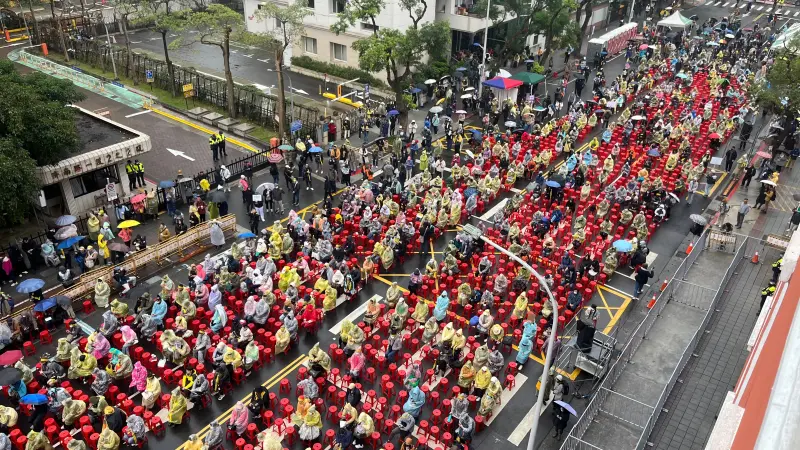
<point x="421" y="312"/>
<point x="151" y="392"/>
<point x="81" y="365"/>
<point x="269" y="440"/>
<point x="311" y="425"/>
<point x="299" y="415"/>
<point x="194" y="443"/>
<point x="8" y="416"/>
<point x="109" y="440"/>
<point x="102" y="245"/>
<point x="455" y="214"/>
<point x="37" y="441"/>
<point x="482" y="380"/>
<point x="178" y="406"/>
<point x="466" y="376"/>
<point x="520" y="307"/>
<point x="233" y="358"/>
<point x="73" y="409"/>
<point x="329" y="302"/>
<point x="283" y="339"/>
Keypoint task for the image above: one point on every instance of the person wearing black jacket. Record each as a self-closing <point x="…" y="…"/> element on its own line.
<point x="353" y="396"/>
<point x="643" y="274"/>
<point x="254" y="221"/>
<point x="425" y="232"/>
<point x="749" y="172"/>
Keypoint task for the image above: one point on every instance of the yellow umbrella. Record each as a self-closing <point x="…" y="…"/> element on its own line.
<point x="128" y="224"/>
<point x="441" y="100"/>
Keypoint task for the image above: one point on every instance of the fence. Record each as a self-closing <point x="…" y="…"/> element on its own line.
<point x="249" y="102"/>
<point x="679" y="291"/>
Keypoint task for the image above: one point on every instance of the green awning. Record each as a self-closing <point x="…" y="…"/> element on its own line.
<point x="528" y="77"/>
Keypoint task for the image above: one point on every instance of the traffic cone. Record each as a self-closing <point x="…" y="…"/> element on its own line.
<point x="652" y="302"/>
<point x="754" y="260"/>
<point x="690" y="248"/>
<point x="664" y="285"/>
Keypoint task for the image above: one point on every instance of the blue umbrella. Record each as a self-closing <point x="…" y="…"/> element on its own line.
<point x="30" y="285"/>
<point x="393" y="112"/>
<point x="45" y="304"/>
<point x="682" y="75"/>
<point x="653" y="152"/>
<point x="476" y="134"/>
<point x="552" y="184"/>
<point x="166" y="184"/>
<point x="567" y="406"/>
<point x="246" y="235"/>
<point x="315" y="150"/>
<point x="34" y="399"/>
<point x="296" y="126"/>
<point x="65" y="220"/>
<point x="461" y="69"/>
<point x="623" y="246"/>
<point x="69" y="242"/>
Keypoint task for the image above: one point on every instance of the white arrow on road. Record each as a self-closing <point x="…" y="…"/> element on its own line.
<point x="180" y="153"/>
<point x="299" y="91"/>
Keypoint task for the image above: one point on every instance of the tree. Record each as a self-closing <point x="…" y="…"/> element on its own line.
<point x="779" y="91"/>
<point x="287" y="30"/>
<point x="165" y="21"/>
<point x="124" y="9"/>
<point x="584" y="8"/>
<point x="216" y="26"/>
<point x="398" y="52"/>
<point x="555" y="22"/>
<point x="36" y="128"/>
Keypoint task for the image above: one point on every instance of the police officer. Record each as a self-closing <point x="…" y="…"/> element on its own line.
<point x="214" y="144"/>
<point x="766" y="292"/>
<point x="221" y="143"/>
<point x="139" y="172"/>
<point x="776" y="269"/>
<point x="130" y="169"/>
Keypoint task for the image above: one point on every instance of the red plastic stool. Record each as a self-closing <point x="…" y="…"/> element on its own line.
<point x="45" y="338"/>
<point x="88" y="307"/>
<point x="510" y="382"/>
<point x="28" y="348"/>
<point x="285" y="388"/>
<point x="333" y="411"/>
<point x="266" y="418"/>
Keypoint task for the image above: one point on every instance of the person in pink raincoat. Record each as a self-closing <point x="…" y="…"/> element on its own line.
<point x="129" y="339"/>
<point x="139" y="377"/>
<point x="240" y="417"/>
<point x="357" y="362"/>
<point x="99" y="345"/>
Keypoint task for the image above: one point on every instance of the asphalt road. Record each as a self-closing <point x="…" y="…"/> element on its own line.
<point x="249" y="65"/>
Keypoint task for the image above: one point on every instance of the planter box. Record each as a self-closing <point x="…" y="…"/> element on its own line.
<point x="212" y="118"/>
<point x="196" y="113"/>
<point x="227" y="123"/>
<point x="242" y="129"/>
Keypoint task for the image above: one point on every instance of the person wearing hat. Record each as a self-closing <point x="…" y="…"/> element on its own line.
<point x="73" y="409"/>
<point x="109" y="440"/>
<point x="115" y="419"/>
<point x="56" y="395"/>
<point x="195" y="443"/>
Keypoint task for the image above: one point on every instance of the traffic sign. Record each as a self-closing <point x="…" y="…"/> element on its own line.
<point x="148" y="74"/>
<point x="188" y="87"/>
<point x="366" y="90"/>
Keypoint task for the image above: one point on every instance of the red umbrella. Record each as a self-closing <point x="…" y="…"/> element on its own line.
<point x="138" y="198"/>
<point x="714" y="136"/>
<point x="644" y="47"/>
<point x="10" y="357"/>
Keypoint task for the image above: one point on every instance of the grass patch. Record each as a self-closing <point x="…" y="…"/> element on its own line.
<point x="164" y="97"/>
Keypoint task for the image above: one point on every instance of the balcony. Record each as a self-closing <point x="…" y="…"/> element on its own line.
<point x="458" y="14"/>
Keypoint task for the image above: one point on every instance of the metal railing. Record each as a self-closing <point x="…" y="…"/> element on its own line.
<point x="626" y="409"/>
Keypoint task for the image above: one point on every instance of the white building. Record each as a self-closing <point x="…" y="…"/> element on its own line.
<point x="321" y="43"/>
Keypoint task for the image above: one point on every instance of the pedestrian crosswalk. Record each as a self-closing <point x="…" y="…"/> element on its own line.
<point x="756" y="8"/>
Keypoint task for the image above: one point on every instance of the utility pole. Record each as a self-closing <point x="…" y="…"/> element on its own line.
<point x="485" y="42"/>
<point x="110" y="49"/>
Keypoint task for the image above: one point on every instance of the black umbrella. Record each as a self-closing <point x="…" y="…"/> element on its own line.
<point x="217" y="196"/>
<point x="119" y="247"/>
<point x="9" y="376"/>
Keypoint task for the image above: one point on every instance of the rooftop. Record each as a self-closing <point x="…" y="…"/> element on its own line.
<point x="95" y="133"/>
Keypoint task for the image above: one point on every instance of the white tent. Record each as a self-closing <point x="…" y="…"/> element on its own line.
<point x="676" y="20"/>
<point x="786" y="37"/>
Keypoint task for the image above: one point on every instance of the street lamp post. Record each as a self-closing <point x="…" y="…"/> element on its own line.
<point x="485" y="42"/>
<point x="537" y="411"/>
<point x="291" y="96"/>
<point x="110" y="49"/>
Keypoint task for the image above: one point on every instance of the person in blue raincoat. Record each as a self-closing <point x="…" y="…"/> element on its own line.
<point x="440" y="310"/>
<point x="525" y="348"/>
<point x="528" y="329"/>
<point x="219" y="320"/>
<point x="572" y="162"/>
<point x="159" y="311"/>
<point x="587" y="158"/>
<point x="415" y="402"/>
<point x="607" y="136"/>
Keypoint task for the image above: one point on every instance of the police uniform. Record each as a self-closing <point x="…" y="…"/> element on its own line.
<point x="221" y="144"/>
<point x="212" y="142"/>
<point x="130" y="170"/>
<point x="139" y="172"/>
<point x="776" y="269"/>
<point x="766" y="292"/>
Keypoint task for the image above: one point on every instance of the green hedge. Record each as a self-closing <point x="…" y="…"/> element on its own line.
<point x="346" y="72"/>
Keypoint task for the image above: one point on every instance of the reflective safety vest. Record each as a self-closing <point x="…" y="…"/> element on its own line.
<point x="130" y="168"/>
<point x="777" y="263"/>
<point x="220" y="138"/>
<point x="212" y="140"/>
<point x="139" y="167"/>
<point x="769" y="290"/>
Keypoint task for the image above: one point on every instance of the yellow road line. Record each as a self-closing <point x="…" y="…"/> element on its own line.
<point x="275" y="379"/>
<point x="620" y="310"/>
<point x="607" y="307"/>
<point x="717" y="185"/>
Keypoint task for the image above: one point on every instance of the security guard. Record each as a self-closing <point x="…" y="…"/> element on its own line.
<point x="776" y="269"/>
<point x="213" y="143"/>
<point x="766" y="292"/>
<point x="130" y="169"/>
<point x="221" y="143"/>
<point x="139" y="172"/>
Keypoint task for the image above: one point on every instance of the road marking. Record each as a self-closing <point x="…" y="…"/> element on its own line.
<point x="524" y="426"/>
<point x="299" y="91"/>
<point x="726" y="4"/>
<point x="140" y="112"/>
<point x="173" y="35"/>
<point x="760" y="8"/>
<point x="14" y="44"/>
<point x="796" y="13"/>
<point x="495" y="209"/>
<point x="353" y="315"/>
<point x="506" y="395"/>
<point x="180" y="153"/>
<point x="717" y="4"/>
<point x="263" y="60"/>
<point x="248" y="56"/>
<point x="154" y="39"/>
<point x="234" y="51"/>
<point x="136" y="42"/>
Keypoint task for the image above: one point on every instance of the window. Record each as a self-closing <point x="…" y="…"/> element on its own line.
<point x="310" y="45"/>
<point x="339" y="52"/>
<point x="310" y="4"/>
<point x="93" y="181"/>
<point x="337" y="6"/>
<point x="369" y="26"/>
